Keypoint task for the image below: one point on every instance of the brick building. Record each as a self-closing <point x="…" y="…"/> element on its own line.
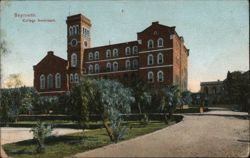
<point x="158" y="56"/>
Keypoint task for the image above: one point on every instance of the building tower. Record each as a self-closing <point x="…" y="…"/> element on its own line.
<point x="78" y="39"/>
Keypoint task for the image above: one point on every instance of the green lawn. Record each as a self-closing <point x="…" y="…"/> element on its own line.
<point x="79" y="142"/>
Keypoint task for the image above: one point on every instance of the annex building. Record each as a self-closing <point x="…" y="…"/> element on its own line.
<point x="158" y="56"/>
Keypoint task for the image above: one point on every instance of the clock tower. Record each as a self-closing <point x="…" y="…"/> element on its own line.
<point x="78" y="38"/>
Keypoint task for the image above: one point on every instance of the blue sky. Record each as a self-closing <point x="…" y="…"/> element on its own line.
<point x="216" y="32"/>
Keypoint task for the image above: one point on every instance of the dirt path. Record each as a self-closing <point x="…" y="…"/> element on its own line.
<point x="11" y="135"/>
<point x="196" y="136"/>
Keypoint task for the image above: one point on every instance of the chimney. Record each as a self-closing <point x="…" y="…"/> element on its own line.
<point x="50" y="53"/>
<point x="155" y="23"/>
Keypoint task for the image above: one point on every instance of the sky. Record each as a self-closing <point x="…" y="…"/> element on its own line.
<point x="215" y="31"/>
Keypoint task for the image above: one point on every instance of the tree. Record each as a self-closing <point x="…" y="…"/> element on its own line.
<point x="115" y="100"/>
<point x="186" y="97"/>
<point x="14" y="81"/>
<point x="170" y="99"/>
<point x="80" y="99"/>
<point x="40" y="132"/>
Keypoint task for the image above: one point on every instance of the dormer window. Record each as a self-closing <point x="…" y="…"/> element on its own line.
<point x="150" y="44"/>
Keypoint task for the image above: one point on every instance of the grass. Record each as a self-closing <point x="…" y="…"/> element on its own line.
<point x="71" y="144"/>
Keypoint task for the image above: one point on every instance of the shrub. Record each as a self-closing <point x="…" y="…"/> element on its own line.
<point x="40" y="132"/>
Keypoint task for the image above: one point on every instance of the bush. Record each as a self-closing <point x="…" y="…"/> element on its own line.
<point x="40" y="132"/>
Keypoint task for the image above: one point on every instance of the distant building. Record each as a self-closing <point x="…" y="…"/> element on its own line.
<point x="213" y="90"/>
<point x="158" y="56"/>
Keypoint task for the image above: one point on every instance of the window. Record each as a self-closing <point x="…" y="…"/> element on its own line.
<point x="85" y="32"/>
<point x="115" y="66"/>
<point x="135" y="63"/>
<point x="96" y="55"/>
<point x="49" y="81"/>
<point x="90" y="69"/>
<point x="97" y="68"/>
<point x="127" y="65"/>
<point x="150" y="76"/>
<point x="108" y="66"/>
<point x="71" y="78"/>
<point x="75" y="29"/>
<point x="150" y="44"/>
<point x="135" y="50"/>
<point x="160" y="76"/>
<point x="90" y="56"/>
<point x="150" y="59"/>
<point x="76" y="78"/>
<point x="58" y="80"/>
<point x="127" y="50"/>
<point x="108" y="53"/>
<point x="70" y="30"/>
<point x="160" y="58"/>
<point x="42" y="81"/>
<point x="115" y="52"/>
<point x="160" y="42"/>
<point x="73" y="60"/>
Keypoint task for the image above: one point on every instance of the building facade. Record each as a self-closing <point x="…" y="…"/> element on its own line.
<point x="158" y="56"/>
<point x="213" y="90"/>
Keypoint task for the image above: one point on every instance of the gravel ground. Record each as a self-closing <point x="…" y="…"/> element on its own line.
<point x="195" y="136"/>
<point x="11" y="135"/>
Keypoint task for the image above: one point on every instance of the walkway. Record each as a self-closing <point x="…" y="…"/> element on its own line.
<point x="214" y="134"/>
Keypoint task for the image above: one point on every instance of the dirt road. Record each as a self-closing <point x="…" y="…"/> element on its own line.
<point x="215" y="134"/>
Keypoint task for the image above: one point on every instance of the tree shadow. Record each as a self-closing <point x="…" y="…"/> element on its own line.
<point x="244" y="141"/>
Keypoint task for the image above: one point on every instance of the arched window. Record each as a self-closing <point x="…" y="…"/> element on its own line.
<point x="58" y="80"/>
<point x="97" y="68"/>
<point x="160" y="42"/>
<point x="42" y="81"/>
<point x="96" y="55"/>
<point x="150" y="59"/>
<point x="75" y="29"/>
<point x="49" y="81"/>
<point x="71" y="78"/>
<point x="90" y="56"/>
<point x="108" y="66"/>
<point x="135" y="63"/>
<point x="127" y="65"/>
<point x="70" y="30"/>
<point x="160" y="58"/>
<point x="160" y="76"/>
<point x="108" y="53"/>
<point x="73" y="60"/>
<point x="115" y="52"/>
<point x="135" y="50"/>
<point x="90" y="69"/>
<point x="150" y="76"/>
<point x="127" y="50"/>
<point x="76" y="78"/>
<point x="150" y="44"/>
<point x="115" y="66"/>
